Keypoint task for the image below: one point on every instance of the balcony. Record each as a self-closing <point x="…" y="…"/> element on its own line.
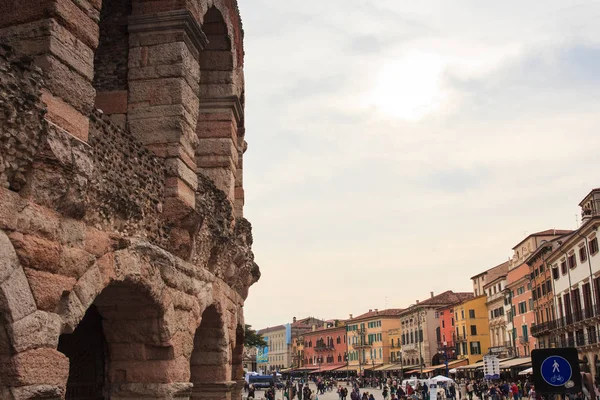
<point x="523" y="339"/>
<point x="364" y="345"/>
<point x="460" y="338"/>
<point x="410" y="347"/>
<point x="448" y="345"/>
<point x="324" y="347"/>
<point x="502" y="349"/>
<point x="578" y="317"/>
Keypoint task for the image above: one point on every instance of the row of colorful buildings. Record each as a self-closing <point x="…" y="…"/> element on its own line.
<point x="546" y="295"/>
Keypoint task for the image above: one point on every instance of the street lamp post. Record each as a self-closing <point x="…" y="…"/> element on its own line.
<point x="419" y="332"/>
<point x="401" y="368"/>
<point x="444" y="351"/>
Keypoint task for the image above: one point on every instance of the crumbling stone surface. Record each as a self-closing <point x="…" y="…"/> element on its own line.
<point x="22" y="123"/>
<point x="109" y="215"/>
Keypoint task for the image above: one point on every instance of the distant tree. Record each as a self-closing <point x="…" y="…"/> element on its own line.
<point x="253" y="339"/>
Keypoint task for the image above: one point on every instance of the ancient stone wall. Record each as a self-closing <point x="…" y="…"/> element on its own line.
<point x="123" y="264"/>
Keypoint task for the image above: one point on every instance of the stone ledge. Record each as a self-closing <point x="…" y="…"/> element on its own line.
<point x="195" y="38"/>
<point x="233" y="103"/>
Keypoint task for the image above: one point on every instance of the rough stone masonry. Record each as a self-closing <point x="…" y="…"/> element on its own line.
<point x="125" y="258"/>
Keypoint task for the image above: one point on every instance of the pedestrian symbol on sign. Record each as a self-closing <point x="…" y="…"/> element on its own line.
<point x="556" y="371"/>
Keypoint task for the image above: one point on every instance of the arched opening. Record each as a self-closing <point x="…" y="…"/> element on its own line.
<point x="436" y="359"/>
<point x="217" y="58"/>
<point x="111" y="59"/>
<point x="209" y="364"/>
<point x="86" y="349"/>
<point x="219" y="121"/>
<point x="237" y="356"/>
<point x="122" y="328"/>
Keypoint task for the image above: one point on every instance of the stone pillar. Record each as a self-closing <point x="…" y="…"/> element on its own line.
<point x="218" y="149"/>
<point x="61" y="36"/>
<point x="164" y="76"/>
<point x="239" y="176"/>
<point x="151" y="391"/>
<point x="214" y="391"/>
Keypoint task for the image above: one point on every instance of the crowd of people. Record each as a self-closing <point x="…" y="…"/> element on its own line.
<point x="392" y="389"/>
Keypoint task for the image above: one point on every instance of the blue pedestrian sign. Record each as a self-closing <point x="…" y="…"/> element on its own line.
<point x="556" y="371"/>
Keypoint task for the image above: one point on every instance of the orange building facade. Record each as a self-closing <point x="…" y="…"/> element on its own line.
<point x="523" y="311"/>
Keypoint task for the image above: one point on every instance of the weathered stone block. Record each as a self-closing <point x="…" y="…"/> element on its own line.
<point x="179" y="194"/>
<point x="74" y="261"/>
<point x="16" y="295"/>
<point x="112" y="102"/>
<point x="8" y="257"/>
<point x="40" y="329"/>
<point x="64" y="115"/>
<point x="97" y="242"/>
<point x="177" y="168"/>
<point x="36" y="252"/>
<point x="48" y="288"/>
<point x="67" y="84"/>
<point x="41" y="366"/>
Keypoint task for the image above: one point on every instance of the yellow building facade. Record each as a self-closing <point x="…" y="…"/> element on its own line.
<point x="395" y="345"/>
<point x="368" y="338"/>
<point x="472" y="334"/>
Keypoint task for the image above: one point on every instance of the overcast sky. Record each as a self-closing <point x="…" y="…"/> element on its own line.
<point x="398" y="147"/>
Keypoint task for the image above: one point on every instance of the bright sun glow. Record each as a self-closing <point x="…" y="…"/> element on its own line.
<point x="409" y="88"/>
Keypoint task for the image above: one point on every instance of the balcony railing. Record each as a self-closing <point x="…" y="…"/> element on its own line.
<point x="523" y="339"/>
<point x="324" y="347"/>
<point x="460" y="338"/>
<point x="564" y="322"/>
<point x="448" y="345"/>
<point x="362" y="345"/>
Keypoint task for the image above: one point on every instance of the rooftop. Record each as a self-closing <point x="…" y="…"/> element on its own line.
<point x="547" y="232"/>
<point x="498" y="271"/>
<point x="272" y="329"/>
<point x="490" y="271"/>
<point x="390" y="312"/>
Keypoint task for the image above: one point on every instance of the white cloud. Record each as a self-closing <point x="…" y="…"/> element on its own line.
<point x="495" y="134"/>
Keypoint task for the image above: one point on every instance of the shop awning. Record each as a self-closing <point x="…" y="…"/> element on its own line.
<point x="413" y="371"/>
<point x="284" y="371"/>
<point x="327" y="368"/>
<point x="471" y="366"/>
<point x="372" y="367"/>
<point x="451" y="364"/>
<point x="347" y="368"/>
<point x="382" y="367"/>
<point x="394" y="367"/>
<point x="303" y="369"/>
<point x="516" y="363"/>
<point x="429" y="369"/>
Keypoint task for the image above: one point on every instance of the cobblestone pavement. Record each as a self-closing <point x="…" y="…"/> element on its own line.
<point x="326" y="396"/>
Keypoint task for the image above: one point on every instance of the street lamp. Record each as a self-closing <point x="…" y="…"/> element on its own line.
<point x="444" y="351"/>
<point x="401" y="367"/>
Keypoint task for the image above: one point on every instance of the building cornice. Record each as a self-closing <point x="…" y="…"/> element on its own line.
<point x="585" y="229"/>
<point x="181" y="20"/>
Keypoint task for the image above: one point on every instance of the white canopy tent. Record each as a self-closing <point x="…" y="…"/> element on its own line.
<point x="527" y="371"/>
<point x="441" y="378"/>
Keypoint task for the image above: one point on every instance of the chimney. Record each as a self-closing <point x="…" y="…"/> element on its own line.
<point x="325" y="325"/>
<point x="377" y="310"/>
<point x="314" y="327"/>
<point x="417" y="301"/>
<point x="350" y="316"/>
<point x="370" y="310"/>
<point x="294" y="319"/>
<point x="431" y="293"/>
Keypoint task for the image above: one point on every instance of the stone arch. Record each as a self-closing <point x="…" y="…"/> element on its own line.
<point x="27" y="336"/>
<point x="111" y="60"/>
<point x="141" y="355"/>
<point x="237" y="356"/>
<point x="220" y="127"/>
<point x="209" y="364"/>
